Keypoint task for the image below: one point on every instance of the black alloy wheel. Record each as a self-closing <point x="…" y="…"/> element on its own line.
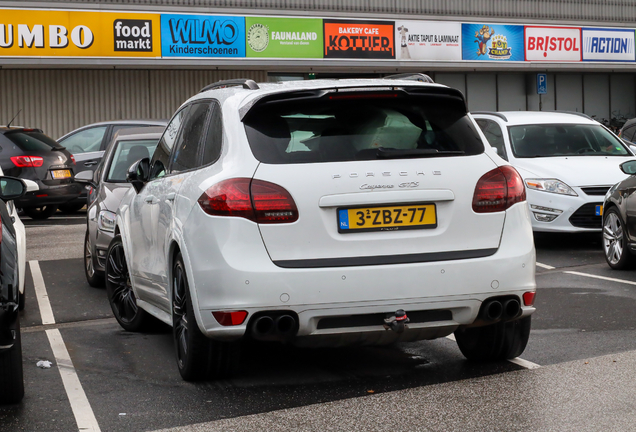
<point x="617" y="253"/>
<point x="94" y="277"/>
<point x="499" y="341"/>
<point x="40" y="212"/>
<point x="198" y="357"/>
<point x="119" y="289"/>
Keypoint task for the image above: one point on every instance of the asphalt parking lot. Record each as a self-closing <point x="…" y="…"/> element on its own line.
<point x="577" y="372"/>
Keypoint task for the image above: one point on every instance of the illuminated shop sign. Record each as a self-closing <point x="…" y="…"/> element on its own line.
<point x="284" y="37"/>
<point x="47" y="33"/>
<point x="553" y="43"/>
<point x="428" y="40"/>
<point x="492" y="42"/>
<point x="202" y="36"/>
<point x="359" y="39"/>
<point x="608" y="45"/>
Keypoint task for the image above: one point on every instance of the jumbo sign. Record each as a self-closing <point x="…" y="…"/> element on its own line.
<point x="50" y="33"/>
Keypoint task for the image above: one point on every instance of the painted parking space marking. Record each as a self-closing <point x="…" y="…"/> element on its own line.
<point x="82" y="411"/>
<point x="545" y="266"/>
<point x="601" y="277"/>
<point x="518" y="361"/>
<point x="40" y="293"/>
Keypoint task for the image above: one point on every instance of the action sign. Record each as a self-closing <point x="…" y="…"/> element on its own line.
<point x="542" y="84"/>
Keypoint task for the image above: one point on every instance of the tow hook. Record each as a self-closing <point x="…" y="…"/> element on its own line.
<point x="397" y="321"/>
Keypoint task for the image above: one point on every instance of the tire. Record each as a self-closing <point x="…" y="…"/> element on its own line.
<point x="71" y="208"/>
<point x="500" y="341"/>
<point x="39" y="213"/>
<point x="11" y="377"/>
<point x="94" y="277"/>
<point x="198" y="358"/>
<point x="615" y="248"/>
<point x="119" y="290"/>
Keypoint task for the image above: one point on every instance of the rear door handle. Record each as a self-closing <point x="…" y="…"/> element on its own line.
<point x="90" y="163"/>
<point x="150" y="199"/>
<point x="171" y="196"/>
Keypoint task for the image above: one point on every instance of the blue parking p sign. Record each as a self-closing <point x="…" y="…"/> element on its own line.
<point x="542" y="84"/>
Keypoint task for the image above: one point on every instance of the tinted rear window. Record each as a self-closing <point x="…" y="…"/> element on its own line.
<point x="354" y="126"/>
<point x="32" y="141"/>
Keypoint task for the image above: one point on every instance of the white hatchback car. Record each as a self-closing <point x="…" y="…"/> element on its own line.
<point x="324" y="213"/>
<point x="567" y="160"/>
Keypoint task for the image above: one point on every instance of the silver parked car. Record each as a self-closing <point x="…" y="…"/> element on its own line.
<point x="108" y="187"/>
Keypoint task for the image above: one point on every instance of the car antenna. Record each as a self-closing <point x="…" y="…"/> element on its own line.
<point x="19" y="111"/>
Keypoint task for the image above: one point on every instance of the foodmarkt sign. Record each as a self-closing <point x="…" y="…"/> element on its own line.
<point x="283" y="37"/>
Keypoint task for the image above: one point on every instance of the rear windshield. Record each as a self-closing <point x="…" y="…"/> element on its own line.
<point x="127" y="153"/>
<point x="547" y="140"/>
<point x="32" y="141"/>
<point x="360" y="127"/>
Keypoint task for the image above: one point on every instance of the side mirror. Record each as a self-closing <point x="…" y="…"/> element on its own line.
<point x="11" y="188"/>
<point x="139" y="173"/>
<point x="86" y="178"/>
<point x="31" y="185"/>
<point x="629" y="167"/>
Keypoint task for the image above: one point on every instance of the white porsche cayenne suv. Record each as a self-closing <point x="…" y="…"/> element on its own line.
<point x="323" y="213"/>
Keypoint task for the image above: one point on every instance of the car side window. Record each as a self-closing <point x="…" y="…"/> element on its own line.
<point x="494" y="135"/>
<point x="186" y="151"/>
<point x="628" y="133"/>
<point x="214" y="136"/>
<point x="85" y="141"/>
<point x="161" y="158"/>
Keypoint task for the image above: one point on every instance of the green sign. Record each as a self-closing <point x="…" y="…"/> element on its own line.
<point x="283" y="37"/>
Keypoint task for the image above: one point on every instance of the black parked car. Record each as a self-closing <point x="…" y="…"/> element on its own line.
<point x="88" y="143"/>
<point x="30" y="154"/>
<point x="619" y="221"/>
<point x="11" y="380"/>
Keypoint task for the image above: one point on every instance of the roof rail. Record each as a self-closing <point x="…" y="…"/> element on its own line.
<point x="492" y="113"/>
<point x="580" y="114"/>
<point x="411" y="77"/>
<point x="246" y="83"/>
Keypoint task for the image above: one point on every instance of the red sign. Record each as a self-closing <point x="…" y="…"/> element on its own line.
<point x="553" y="43"/>
<point x="359" y="39"/>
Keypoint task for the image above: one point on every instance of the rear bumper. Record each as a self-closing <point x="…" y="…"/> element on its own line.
<point x="237" y="274"/>
<point x="50" y="195"/>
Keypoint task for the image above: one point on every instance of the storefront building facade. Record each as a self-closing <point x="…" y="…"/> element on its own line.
<point x="67" y="64"/>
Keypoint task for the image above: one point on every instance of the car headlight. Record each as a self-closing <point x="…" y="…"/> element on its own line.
<point x="550" y="185"/>
<point x="106" y="221"/>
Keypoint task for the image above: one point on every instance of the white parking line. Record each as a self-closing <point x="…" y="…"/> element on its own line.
<point x="40" y="293"/>
<point x="545" y="266"/>
<point x="601" y="277"/>
<point x="84" y="416"/>
<point x="518" y="361"/>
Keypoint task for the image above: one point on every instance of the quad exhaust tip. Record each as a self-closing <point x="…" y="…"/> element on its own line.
<point x="274" y="328"/>
<point x="495" y="309"/>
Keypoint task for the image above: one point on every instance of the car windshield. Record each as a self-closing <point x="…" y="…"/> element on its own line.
<point x="549" y="140"/>
<point x="345" y="127"/>
<point x="32" y="141"/>
<point x="127" y="153"/>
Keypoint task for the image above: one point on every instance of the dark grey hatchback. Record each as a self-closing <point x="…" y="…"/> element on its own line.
<point x="30" y="154"/>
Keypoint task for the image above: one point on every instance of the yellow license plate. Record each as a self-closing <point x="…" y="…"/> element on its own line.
<point x="389" y="218"/>
<point x="61" y="174"/>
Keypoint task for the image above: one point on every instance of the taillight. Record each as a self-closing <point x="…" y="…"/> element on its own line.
<point x="498" y="189"/>
<point x="230" y="318"/>
<point x="27" y="161"/>
<point x="256" y="200"/>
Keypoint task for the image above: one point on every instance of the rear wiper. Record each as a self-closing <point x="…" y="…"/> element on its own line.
<point x="58" y="148"/>
<point x="390" y="153"/>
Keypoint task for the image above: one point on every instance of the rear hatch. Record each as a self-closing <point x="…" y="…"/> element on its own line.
<point x="41" y="157"/>
<point x="378" y="176"/>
